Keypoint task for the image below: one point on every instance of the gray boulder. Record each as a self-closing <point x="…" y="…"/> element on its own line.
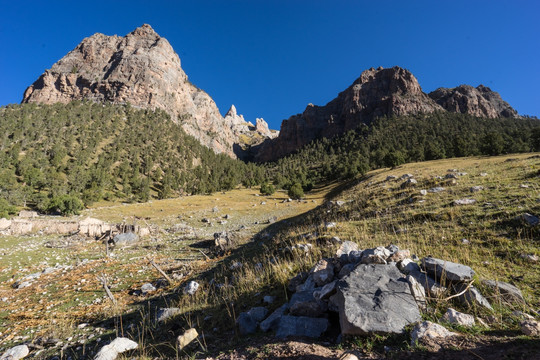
<point x="471" y="297"/>
<point x="246" y="324"/>
<point x="301" y="326"/>
<point x="125" y="239"/>
<point x="248" y="321"/>
<point x="529" y="219"/>
<point x="326" y="291"/>
<point x="418" y="292"/>
<point x="271" y="322"/>
<point x="258" y="313"/>
<point x="346" y="270"/>
<point x="432" y="287"/>
<point x="375" y="299"/>
<point x="304" y="304"/>
<point x="505" y="291"/>
<point x="323" y="272"/>
<point x="407" y="266"/>
<point x="346" y="247"/>
<point x="441" y="269"/>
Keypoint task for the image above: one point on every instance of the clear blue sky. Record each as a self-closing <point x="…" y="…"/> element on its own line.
<point x="272" y="58"/>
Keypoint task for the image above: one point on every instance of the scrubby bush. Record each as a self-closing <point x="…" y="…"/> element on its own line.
<point x="65" y="205"/>
<point x="296" y="192"/>
<point x="267" y="189"/>
<point x="6" y="209"/>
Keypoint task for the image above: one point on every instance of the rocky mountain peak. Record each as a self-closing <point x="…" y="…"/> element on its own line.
<point x="142" y="69"/>
<point x="146" y="31"/>
<point x="480" y="101"/>
<point x="232" y="112"/>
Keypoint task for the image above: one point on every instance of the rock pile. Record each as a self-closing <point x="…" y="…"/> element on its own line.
<point x="374" y="291"/>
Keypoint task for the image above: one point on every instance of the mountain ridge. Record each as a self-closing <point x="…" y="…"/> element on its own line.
<point x="378" y="92"/>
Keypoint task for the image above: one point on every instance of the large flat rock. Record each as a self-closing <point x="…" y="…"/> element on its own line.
<point x="447" y="270"/>
<point x="375" y="299"/>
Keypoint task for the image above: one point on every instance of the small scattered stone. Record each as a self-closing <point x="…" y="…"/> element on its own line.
<point x="529" y="219"/>
<point x="530" y="327"/>
<point x="330" y="225"/>
<point x="268" y="299"/>
<point x="15" y="353"/>
<point x="530" y="258"/>
<point x="191" y="288"/>
<point x="455" y="317"/>
<point x="116" y="347"/>
<point x="429" y="333"/>
<point x="236" y="265"/>
<point x="166" y="313"/>
<point x="323" y="272"/>
<point x="423" y="192"/>
<point x="477" y="188"/>
<point x="346" y="247"/>
<point x="464" y="201"/>
<point x="187" y="337"/>
<point x="391" y="177"/>
<point x="436" y="189"/>
<point x="409" y="182"/>
<point x="147" y="288"/>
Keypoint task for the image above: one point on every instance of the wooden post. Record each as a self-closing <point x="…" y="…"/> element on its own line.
<point x="109" y="293"/>
<point x="161" y="271"/>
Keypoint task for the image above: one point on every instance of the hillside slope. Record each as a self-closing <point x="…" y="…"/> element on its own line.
<point x="95" y="151"/>
<point x="490" y="235"/>
<point x="391" y="141"/>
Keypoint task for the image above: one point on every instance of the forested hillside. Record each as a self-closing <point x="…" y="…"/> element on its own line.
<point x="391" y="141"/>
<point x="52" y="157"/>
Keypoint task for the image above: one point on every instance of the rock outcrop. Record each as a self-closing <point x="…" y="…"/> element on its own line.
<point x="143" y="70"/>
<point x="377" y="92"/>
<point x="480" y="101"/>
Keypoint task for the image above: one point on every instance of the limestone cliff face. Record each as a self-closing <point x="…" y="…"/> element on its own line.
<point x="377" y="92"/>
<point x="480" y="101"/>
<point x="142" y="69"/>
